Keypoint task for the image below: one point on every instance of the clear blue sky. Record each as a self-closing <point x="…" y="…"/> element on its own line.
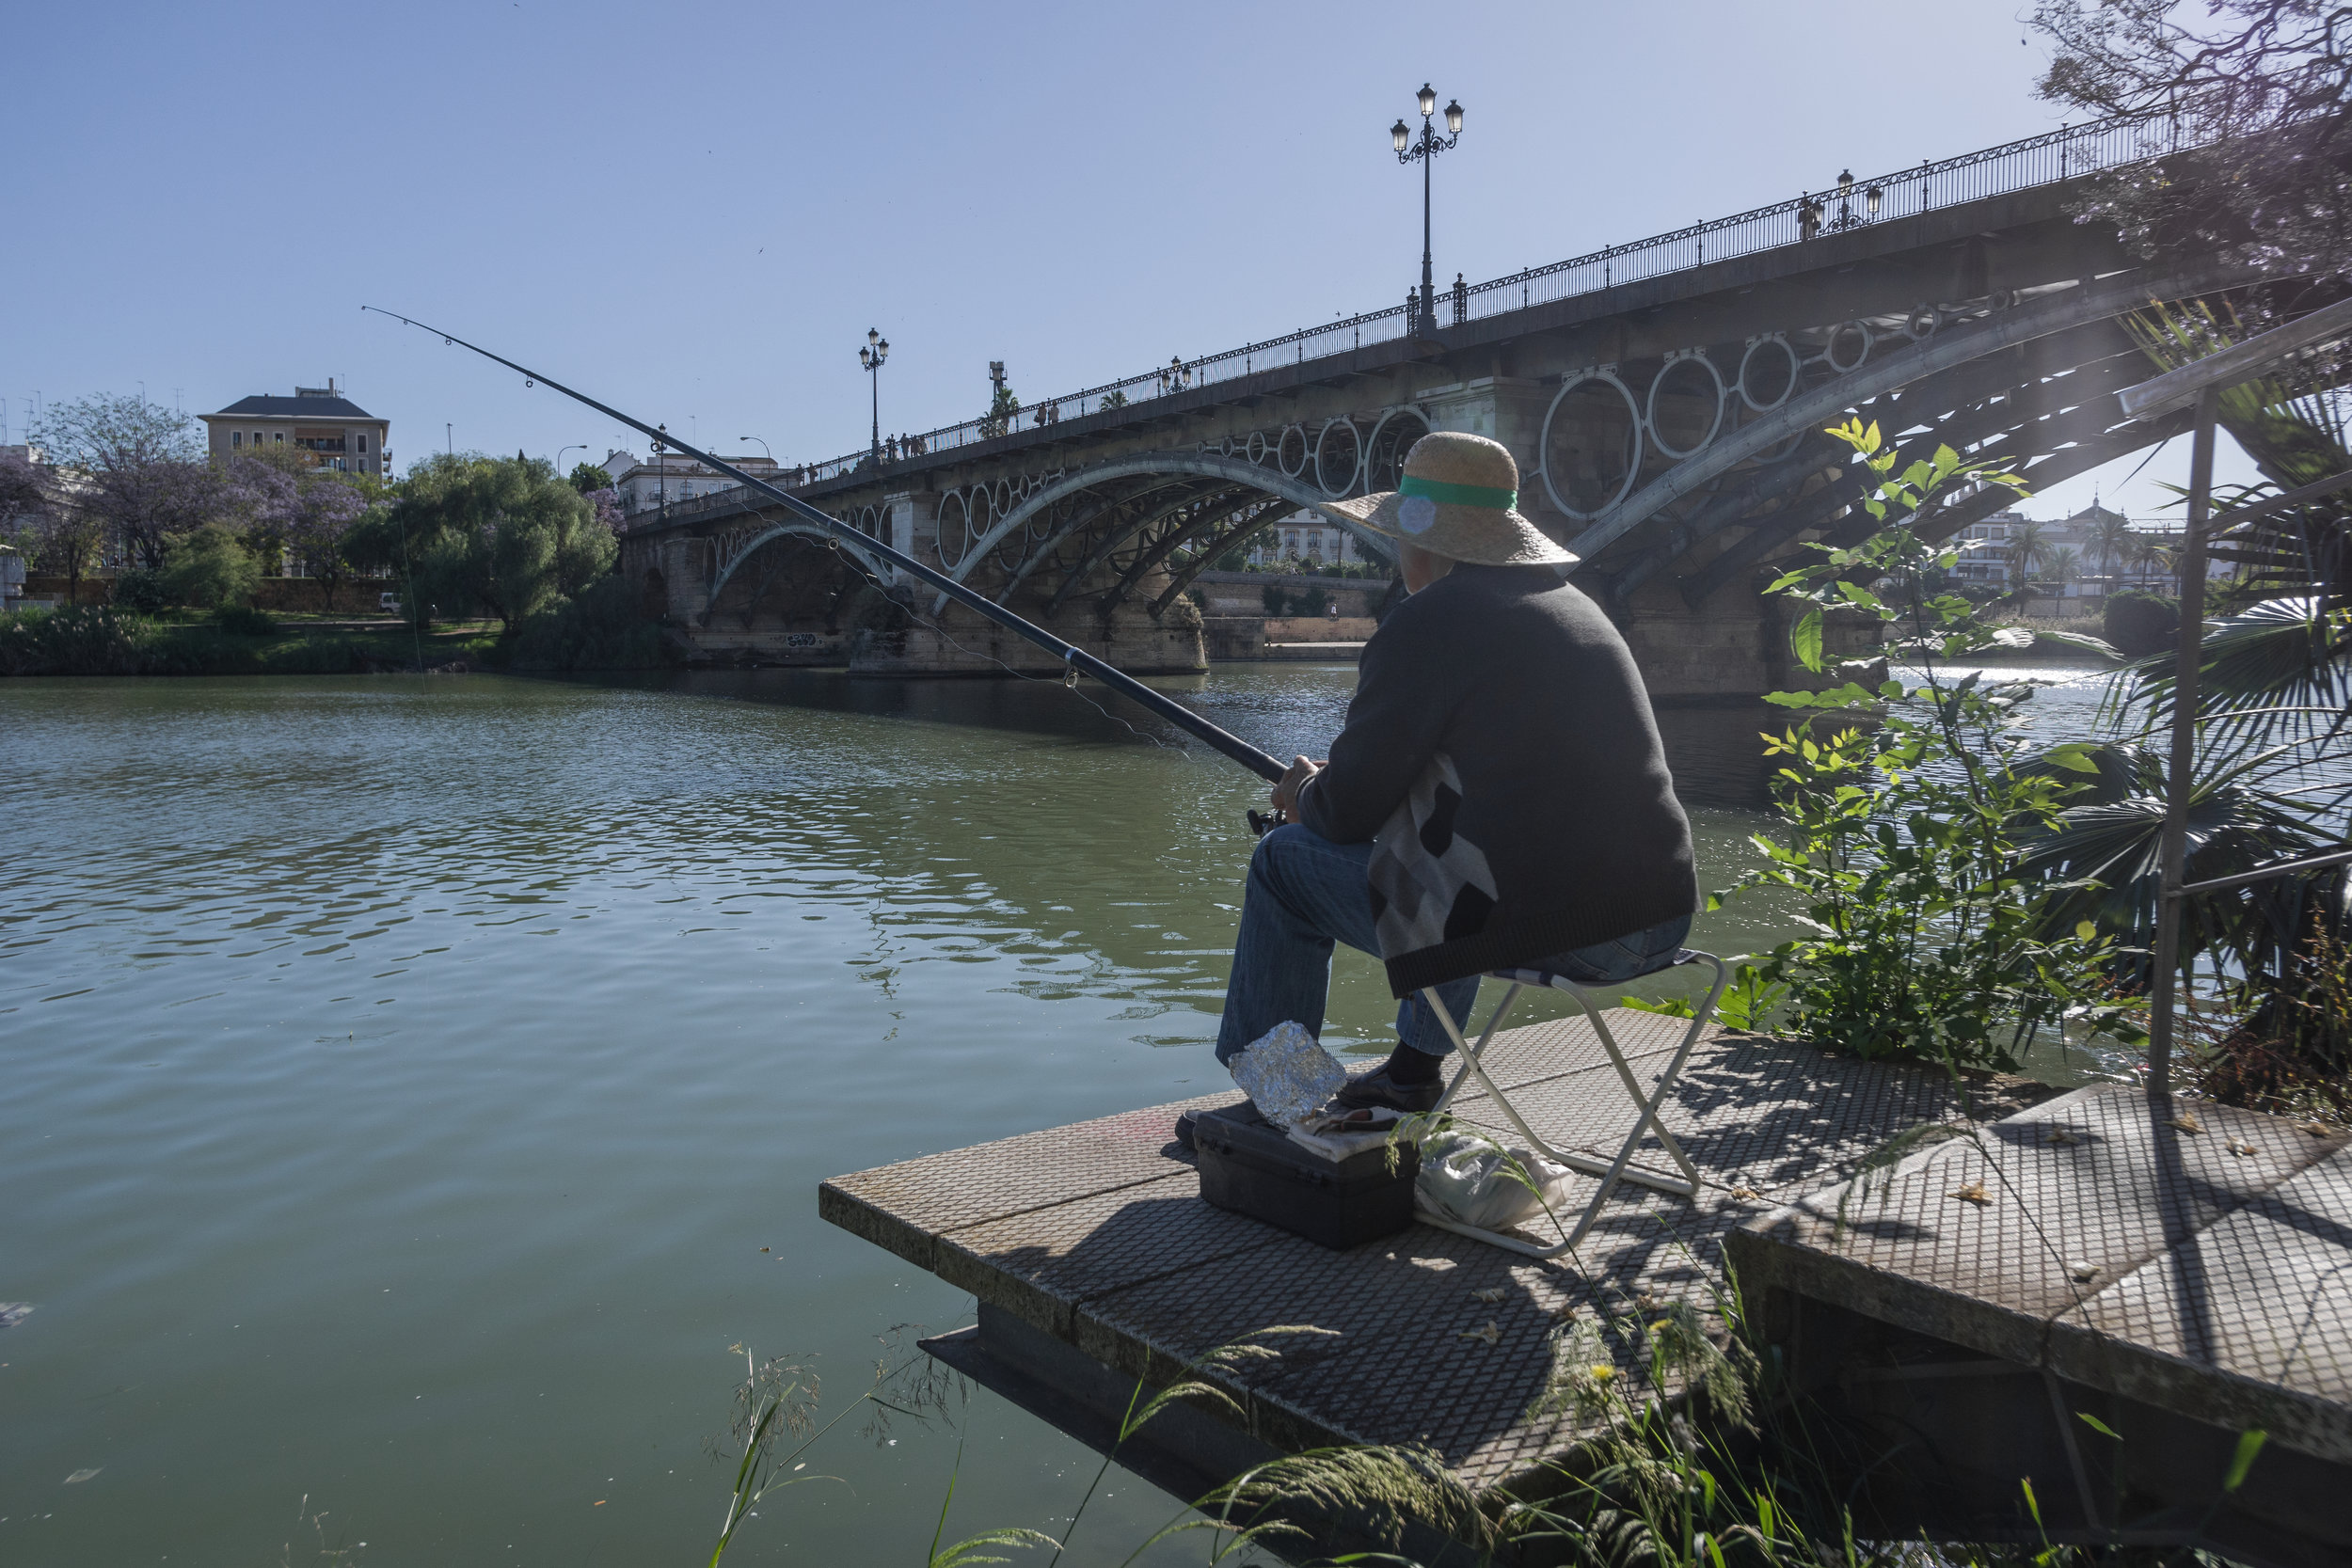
<point x="697" y="211"/>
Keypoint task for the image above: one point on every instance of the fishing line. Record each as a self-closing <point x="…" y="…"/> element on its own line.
<point x="1075" y="658"/>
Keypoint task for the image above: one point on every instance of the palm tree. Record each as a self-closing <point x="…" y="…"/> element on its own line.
<point x="2026" y="547"/>
<point x="2060" y="565"/>
<point x="2150" y="555"/>
<point x="2112" y="538"/>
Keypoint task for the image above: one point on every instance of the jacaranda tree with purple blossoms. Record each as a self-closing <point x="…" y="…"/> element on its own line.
<point x="307" y="513"/>
<point x="137" y="469"/>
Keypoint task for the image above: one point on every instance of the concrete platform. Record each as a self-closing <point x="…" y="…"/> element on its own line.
<point x="1094" y="1236"/>
<point x="2179" y="1272"/>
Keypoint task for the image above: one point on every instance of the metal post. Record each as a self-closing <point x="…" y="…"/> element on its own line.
<point x="2173" y="853"/>
<point x="1428" y="287"/>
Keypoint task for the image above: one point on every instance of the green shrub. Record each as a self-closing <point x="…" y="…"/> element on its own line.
<point x="244" y="621"/>
<point x="318" y="656"/>
<point x="77" y="639"/>
<point x="603" y="628"/>
<point x="2140" y="624"/>
<point x="209" y="568"/>
<point x="141" y="592"/>
<point x="198" y="650"/>
<point x="1901" y="810"/>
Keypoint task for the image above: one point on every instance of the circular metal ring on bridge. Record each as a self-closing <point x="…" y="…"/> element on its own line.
<point x="954" y="521"/>
<point x="1256" y="449"/>
<point x="1340" y="461"/>
<point x="1592" y="446"/>
<point x="1924" y="320"/>
<point x="1768" y="373"/>
<point x="1853" y="336"/>
<point x="1294" y="451"/>
<point x="1002" y="497"/>
<point x="1385" y="449"/>
<point x="1701" y="385"/>
<point x="1225" y="448"/>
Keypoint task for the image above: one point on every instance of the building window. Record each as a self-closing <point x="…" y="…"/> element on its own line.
<point x="363" y="446"/>
<point x="282" y="437"/>
<point x="236" y="438"/>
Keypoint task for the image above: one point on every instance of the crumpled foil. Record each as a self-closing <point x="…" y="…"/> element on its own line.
<point x="1287" y="1075"/>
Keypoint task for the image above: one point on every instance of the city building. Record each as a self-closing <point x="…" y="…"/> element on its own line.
<point x="319" y="421"/>
<point x="1304" y="535"/>
<point x="648" y="486"/>
<point x="2076" y="559"/>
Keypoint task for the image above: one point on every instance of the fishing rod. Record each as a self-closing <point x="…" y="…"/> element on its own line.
<point x="1075" y="658"/>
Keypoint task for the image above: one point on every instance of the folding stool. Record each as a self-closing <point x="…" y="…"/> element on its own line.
<point x="1609" y="1171"/>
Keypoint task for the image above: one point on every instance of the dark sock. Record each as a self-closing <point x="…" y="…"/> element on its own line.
<point x="1408" y="1066"/>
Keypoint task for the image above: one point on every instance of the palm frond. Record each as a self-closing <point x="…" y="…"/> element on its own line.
<point x="2255" y="672"/>
<point x="2102" y="853"/>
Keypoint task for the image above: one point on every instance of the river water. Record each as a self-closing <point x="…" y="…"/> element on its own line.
<point x="415" y="1086"/>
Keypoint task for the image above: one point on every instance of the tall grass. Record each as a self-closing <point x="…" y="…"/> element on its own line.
<point x="1694" y="1456"/>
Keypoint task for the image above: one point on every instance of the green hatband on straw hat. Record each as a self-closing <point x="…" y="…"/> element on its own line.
<point x="1458" y="498"/>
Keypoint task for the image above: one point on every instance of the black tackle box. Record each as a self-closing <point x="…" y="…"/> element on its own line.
<point x="1251" y="1168"/>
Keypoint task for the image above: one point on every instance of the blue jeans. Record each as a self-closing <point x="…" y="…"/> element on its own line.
<point x="1306" y="893"/>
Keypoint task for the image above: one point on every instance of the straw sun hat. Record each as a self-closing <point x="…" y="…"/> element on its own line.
<point x="1457" y="500"/>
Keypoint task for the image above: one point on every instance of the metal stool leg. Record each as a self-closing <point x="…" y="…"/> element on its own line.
<point x="1647" y="1103"/>
<point x="1470" y="1054"/>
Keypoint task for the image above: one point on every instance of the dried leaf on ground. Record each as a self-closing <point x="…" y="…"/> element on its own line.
<point x="1974" y="1192"/>
<point x="1490" y="1334"/>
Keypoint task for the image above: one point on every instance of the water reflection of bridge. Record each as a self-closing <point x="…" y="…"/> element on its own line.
<point x="1665" y="401"/>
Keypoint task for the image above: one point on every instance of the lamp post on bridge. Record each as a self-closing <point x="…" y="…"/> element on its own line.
<point x="1847" y="218"/>
<point x="877" y="349"/>
<point x="1426" y="151"/>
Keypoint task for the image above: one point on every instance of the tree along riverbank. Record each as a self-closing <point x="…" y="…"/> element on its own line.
<point x="600" y="630"/>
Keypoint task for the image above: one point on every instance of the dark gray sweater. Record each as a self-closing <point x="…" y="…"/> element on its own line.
<point x="1500" y="748"/>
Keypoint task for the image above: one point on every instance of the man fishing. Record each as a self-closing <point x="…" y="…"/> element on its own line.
<point x="1498" y="797"/>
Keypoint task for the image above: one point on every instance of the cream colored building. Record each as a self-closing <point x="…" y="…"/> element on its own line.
<point x="1304" y="535"/>
<point x="319" y="421"/>
<point x="650" y="487"/>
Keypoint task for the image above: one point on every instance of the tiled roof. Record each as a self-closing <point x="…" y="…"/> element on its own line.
<point x="313" y="408"/>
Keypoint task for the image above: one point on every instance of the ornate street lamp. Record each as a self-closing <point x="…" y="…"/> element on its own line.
<point x="877" y="349"/>
<point x="1847" y="218"/>
<point x="1425" y="151"/>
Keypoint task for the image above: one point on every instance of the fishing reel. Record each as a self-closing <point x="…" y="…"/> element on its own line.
<point x="1265" y="822"/>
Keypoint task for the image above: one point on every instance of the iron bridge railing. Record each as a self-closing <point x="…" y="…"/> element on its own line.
<point x="2044" y="159"/>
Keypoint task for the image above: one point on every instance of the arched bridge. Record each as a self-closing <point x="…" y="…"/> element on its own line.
<point x="1665" y="402"/>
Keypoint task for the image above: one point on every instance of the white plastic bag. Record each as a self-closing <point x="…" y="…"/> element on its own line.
<point x="1287" y="1075"/>
<point x="1475" y="1181"/>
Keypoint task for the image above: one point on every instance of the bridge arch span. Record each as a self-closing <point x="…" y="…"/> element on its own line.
<point x="1235" y="472"/>
<point x="730" y="555"/>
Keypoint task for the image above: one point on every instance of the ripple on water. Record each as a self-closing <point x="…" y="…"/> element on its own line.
<point x="403" y="1074"/>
